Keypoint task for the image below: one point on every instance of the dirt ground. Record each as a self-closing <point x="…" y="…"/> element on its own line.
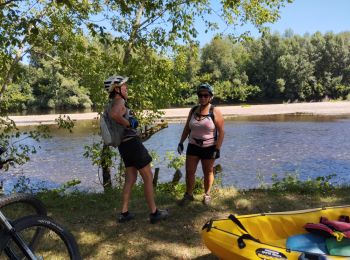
<point x="180" y="114"/>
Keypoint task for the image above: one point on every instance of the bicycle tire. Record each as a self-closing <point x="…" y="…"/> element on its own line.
<point x="19" y="205"/>
<point x="25" y="199"/>
<point x="55" y="243"/>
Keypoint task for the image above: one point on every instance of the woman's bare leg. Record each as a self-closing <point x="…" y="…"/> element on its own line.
<point x="130" y="179"/>
<point x="191" y="167"/>
<point x="208" y="172"/>
<point x="147" y="176"/>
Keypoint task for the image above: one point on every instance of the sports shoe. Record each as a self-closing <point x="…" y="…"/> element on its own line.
<point x="160" y="214"/>
<point x="206" y="199"/>
<point x="122" y="218"/>
<point x="186" y="198"/>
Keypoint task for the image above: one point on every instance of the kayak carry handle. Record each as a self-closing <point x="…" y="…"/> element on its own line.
<point x="240" y="241"/>
<point x="237" y="222"/>
<point x="208" y="225"/>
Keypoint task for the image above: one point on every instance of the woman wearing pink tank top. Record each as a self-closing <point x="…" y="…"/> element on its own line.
<point x="205" y="131"/>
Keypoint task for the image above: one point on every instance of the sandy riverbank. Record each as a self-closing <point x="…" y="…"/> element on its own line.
<point x="180" y="114"/>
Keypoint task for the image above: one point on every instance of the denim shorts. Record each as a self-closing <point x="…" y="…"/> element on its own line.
<point x="134" y="153"/>
<point x="201" y="152"/>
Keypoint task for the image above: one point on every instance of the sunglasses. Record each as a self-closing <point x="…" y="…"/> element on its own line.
<point x="203" y="95"/>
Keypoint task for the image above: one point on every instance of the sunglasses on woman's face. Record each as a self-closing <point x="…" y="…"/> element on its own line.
<point x="203" y="95"/>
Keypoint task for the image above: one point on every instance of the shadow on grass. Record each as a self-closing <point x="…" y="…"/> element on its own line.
<point x="92" y="220"/>
<point x="206" y="257"/>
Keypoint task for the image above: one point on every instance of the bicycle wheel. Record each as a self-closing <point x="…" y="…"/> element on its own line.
<point x="54" y="242"/>
<point x="15" y="206"/>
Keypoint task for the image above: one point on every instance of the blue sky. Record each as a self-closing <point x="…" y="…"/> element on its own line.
<point x="305" y="16"/>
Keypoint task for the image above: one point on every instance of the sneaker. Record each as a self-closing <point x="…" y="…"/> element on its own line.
<point x="186" y="198"/>
<point x="122" y="218"/>
<point x="206" y="199"/>
<point x="159" y="215"/>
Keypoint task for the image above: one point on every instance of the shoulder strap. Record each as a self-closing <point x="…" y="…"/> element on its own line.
<point x="193" y="109"/>
<point x="211" y="112"/>
<point x="109" y="105"/>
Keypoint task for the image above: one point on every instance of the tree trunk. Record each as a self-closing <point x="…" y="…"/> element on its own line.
<point x="106" y="171"/>
<point x="133" y="35"/>
<point x="177" y="176"/>
<point x="126" y="60"/>
<point x="155" y="177"/>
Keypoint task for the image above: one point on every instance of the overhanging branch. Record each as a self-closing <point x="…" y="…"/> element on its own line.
<point x="2" y="4"/>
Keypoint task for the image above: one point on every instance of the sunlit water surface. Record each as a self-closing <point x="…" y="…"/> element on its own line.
<point x="310" y="146"/>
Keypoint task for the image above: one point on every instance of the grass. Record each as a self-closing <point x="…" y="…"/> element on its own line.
<point x="92" y="219"/>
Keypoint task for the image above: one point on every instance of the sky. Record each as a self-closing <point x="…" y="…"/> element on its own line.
<point x="305" y="16"/>
<point x="309" y="16"/>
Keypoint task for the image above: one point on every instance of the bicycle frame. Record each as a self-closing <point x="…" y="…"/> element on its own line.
<point x="13" y="233"/>
<point x="8" y="232"/>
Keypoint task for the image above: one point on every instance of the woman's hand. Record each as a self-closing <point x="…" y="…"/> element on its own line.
<point x="133" y="122"/>
<point x="216" y="154"/>
<point x="180" y="148"/>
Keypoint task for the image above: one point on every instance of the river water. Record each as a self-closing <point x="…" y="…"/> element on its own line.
<point x="310" y="146"/>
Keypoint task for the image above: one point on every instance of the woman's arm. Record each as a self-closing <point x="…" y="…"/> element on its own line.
<point x="117" y="113"/>
<point x="219" y="124"/>
<point x="186" y="130"/>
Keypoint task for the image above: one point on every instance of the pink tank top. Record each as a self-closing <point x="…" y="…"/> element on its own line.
<point x="202" y="131"/>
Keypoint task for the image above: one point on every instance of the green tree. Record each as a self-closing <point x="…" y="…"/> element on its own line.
<point x="25" y="25"/>
<point x="263" y="69"/>
<point x="217" y="59"/>
<point x="52" y="89"/>
<point x="146" y="33"/>
<point x="224" y="63"/>
<point x="160" y="25"/>
<point x="186" y="69"/>
<point x="296" y="70"/>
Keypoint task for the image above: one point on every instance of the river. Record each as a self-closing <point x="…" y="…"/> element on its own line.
<point x="310" y="146"/>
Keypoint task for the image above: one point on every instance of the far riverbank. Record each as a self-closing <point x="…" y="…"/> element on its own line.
<point x="180" y="114"/>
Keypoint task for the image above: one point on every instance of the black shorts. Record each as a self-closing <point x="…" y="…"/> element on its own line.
<point x="134" y="153"/>
<point x="201" y="152"/>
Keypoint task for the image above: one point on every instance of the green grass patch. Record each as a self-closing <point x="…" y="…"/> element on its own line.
<point x="91" y="217"/>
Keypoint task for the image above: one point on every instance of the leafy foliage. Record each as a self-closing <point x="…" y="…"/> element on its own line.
<point x="175" y="162"/>
<point x="12" y="140"/>
<point x="68" y="65"/>
<point x="292" y="183"/>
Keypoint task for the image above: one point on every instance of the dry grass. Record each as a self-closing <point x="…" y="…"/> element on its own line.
<point x="91" y="218"/>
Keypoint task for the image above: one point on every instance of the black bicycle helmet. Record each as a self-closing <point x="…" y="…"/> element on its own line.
<point x="113" y="81"/>
<point x="205" y="86"/>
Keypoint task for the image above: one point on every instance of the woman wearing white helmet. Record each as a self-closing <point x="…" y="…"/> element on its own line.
<point x="134" y="154"/>
<point x="205" y="130"/>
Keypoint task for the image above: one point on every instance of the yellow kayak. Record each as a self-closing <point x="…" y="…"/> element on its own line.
<point x="279" y="235"/>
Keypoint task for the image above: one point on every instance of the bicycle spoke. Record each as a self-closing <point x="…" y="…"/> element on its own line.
<point x="45" y="238"/>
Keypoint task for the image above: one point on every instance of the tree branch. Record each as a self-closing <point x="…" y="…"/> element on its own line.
<point x="6" y="3"/>
<point x="135" y="27"/>
<point x="155" y="17"/>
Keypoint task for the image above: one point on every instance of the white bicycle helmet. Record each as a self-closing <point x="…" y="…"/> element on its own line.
<point x="113" y="81"/>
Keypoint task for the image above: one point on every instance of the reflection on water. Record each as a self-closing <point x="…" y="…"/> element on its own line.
<point x="42" y="111"/>
<point x="309" y="145"/>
